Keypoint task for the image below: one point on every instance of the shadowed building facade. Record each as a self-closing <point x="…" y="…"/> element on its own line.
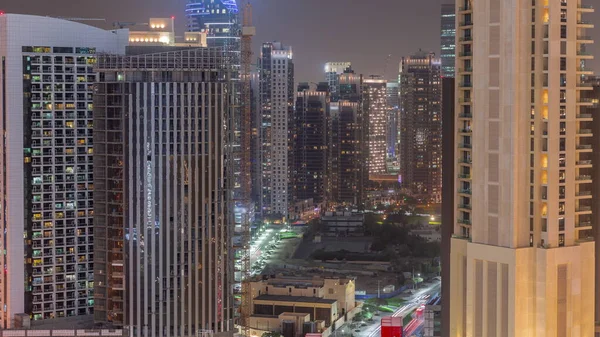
<point x="421" y="125"/>
<point x="163" y="251"/>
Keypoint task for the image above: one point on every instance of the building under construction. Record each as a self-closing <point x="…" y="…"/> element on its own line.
<point x="162" y="238"/>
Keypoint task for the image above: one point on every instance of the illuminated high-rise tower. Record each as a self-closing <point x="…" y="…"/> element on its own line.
<point x="522" y="253"/>
<point x="332" y="73"/>
<point x="448" y="36"/>
<point x="347" y="169"/>
<point x="277" y="106"/>
<point x="393" y="105"/>
<point x="46" y="175"/>
<point x="375" y="110"/>
<point x="309" y="172"/>
<point x="218" y="18"/>
<point x="421" y="125"/>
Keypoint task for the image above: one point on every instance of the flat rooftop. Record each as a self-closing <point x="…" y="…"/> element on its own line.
<point x="301" y="299"/>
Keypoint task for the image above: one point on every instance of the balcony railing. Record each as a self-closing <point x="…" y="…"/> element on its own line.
<point x="464" y="191"/>
<point x="583" y="177"/>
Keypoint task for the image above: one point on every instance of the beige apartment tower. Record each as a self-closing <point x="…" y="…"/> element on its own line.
<point x="522" y="257"/>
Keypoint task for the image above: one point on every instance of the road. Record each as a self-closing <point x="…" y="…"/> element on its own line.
<point x="261" y="246"/>
<point x="412" y="303"/>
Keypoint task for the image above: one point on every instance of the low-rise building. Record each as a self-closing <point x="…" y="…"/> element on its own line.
<point x="428" y="233"/>
<point x="280" y="301"/>
<point x="343" y="223"/>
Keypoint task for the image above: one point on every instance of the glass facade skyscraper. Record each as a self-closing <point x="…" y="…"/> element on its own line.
<point x="218" y="18"/>
<point x="448" y="40"/>
<point x="421" y="125"/>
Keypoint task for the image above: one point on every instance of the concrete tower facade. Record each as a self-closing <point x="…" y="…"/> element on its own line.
<point x="277" y="106"/>
<point x="522" y="254"/>
<point x="162" y="226"/>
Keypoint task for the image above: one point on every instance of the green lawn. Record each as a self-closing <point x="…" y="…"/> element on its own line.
<point x="391" y="302"/>
<point x="387" y="308"/>
<point x="396" y="302"/>
<point x="288" y="235"/>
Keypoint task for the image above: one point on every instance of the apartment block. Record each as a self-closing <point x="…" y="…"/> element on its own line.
<point x="47" y="81"/>
<point x="523" y="236"/>
<point x="277" y="107"/>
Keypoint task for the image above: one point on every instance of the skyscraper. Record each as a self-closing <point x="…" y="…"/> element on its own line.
<point x="393" y="105"/>
<point x="162" y="246"/>
<point x="310" y="143"/>
<point x="421" y="125"/>
<point x="277" y="106"/>
<point x="46" y="180"/>
<point x="448" y="37"/>
<point x="347" y="157"/>
<point x="523" y="205"/>
<point x="375" y="112"/>
<point x="218" y="18"/>
<point x="256" y="143"/>
<point x="448" y="193"/>
<point x="332" y="72"/>
<point x="592" y="111"/>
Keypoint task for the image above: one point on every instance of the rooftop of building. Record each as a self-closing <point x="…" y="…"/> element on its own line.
<point x="74" y="322"/>
<point x="343" y="216"/>
<point x="300" y="299"/>
<point x="295" y="281"/>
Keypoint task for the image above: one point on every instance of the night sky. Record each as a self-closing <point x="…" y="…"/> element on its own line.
<point x="363" y="32"/>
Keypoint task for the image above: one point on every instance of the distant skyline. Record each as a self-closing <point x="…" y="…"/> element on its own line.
<point x="362" y="32"/>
